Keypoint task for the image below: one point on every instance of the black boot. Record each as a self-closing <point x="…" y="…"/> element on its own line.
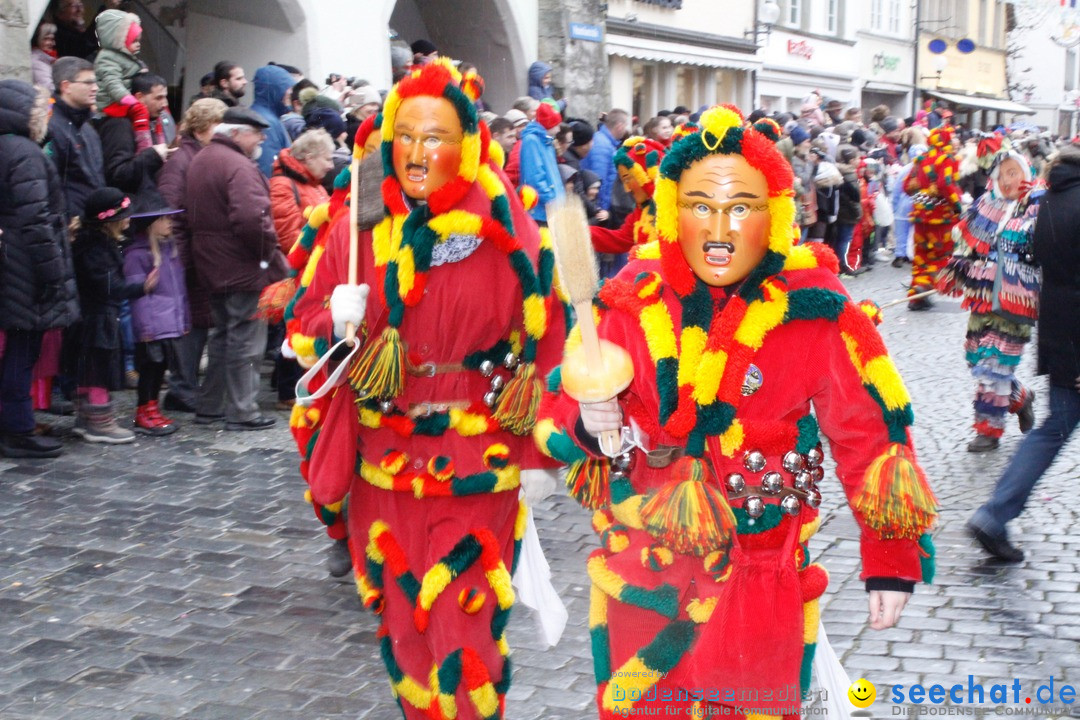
<point x="338" y="559"/>
<point x="983" y="443"/>
<point x="999" y="547"/>
<point x="1025" y="415"/>
<point x="29" y="445"/>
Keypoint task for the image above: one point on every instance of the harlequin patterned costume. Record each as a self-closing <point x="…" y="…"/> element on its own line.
<point x="431" y="471"/>
<point x="703" y="593"/>
<point x="641" y="157"/>
<point x="994" y="270"/>
<point x="932" y="183"/>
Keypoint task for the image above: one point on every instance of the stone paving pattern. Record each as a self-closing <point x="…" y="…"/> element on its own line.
<point x="183" y="577"/>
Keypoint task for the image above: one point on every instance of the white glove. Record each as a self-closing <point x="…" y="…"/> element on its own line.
<point x="287" y="351"/>
<point x="601" y="416"/>
<point x="347" y="305"/>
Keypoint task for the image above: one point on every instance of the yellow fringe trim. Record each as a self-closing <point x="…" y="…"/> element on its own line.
<point x="732" y="439"/>
<point x="312" y="265"/>
<point x="459" y="222"/>
<point x="808" y="530"/>
<point x="710" y="370"/>
<point x="812" y="615"/>
<point x="542" y="432"/>
<point x="693" y="344"/>
<point x="882" y="373"/>
<point x="507" y="478"/>
<point x="666" y="197"/>
<point x="801" y="257"/>
<point x="536" y="318"/>
<point x="634" y="679"/>
<point x="648" y="251"/>
<point x="782" y="222"/>
<point x="700" y="611"/>
<point x="659" y="331"/>
<point x="762" y="317"/>
<point x="628" y="512"/>
<point x="435" y="581"/>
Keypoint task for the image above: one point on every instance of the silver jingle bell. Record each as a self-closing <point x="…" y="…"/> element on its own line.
<point x="754" y="506"/>
<point x="803" y="480"/>
<point x="618" y="475"/>
<point x="754" y="461"/>
<point x="790" y="505"/>
<point x="815" y="457"/>
<point x="793" y="461"/>
<point x="490" y="398"/>
<point x="497" y="383"/>
<point x="510" y="361"/>
<point x="736" y="482"/>
<point x="772" y="483"/>
<point x="386" y="407"/>
<point x="622" y="462"/>
<point x="818" y="473"/>
<point x="487" y="368"/>
<point x="813" y="498"/>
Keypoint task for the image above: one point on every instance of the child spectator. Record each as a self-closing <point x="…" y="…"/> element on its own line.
<point x="99" y="273"/>
<point x="590" y="182"/>
<point x="161" y="318"/>
<point x="116" y="64"/>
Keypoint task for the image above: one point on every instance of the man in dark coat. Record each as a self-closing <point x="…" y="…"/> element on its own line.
<point x="36" y="263"/>
<point x="134" y="172"/>
<point x="74" y="145"/>
<point x="236" y="254"/>
<point x="1057" y="249"/>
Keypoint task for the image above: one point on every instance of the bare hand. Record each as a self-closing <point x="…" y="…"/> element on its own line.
<point x="601" y="417"/>
<point x="885" y="607"/>
<point x="602" y="215"/>
<point x="151" y="280"/>
<point x="162" y="150"/>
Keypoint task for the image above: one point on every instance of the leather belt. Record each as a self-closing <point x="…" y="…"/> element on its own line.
<point x="425" y="409"/>
<point x="433" y="369"/>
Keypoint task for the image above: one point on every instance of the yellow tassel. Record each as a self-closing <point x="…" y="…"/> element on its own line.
<point x="689" y="514"/>
<point x="894" y="499"/>
<point x="587" y="482"/>
<point x="520" y="401"/>
<point x="379" y="372"/>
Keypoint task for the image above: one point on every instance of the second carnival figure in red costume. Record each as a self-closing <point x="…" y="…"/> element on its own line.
<point x="746" y="351"/>
<point x="430" y="439"/>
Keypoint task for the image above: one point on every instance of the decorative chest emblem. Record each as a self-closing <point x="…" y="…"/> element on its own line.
<point x="753" y="380"/>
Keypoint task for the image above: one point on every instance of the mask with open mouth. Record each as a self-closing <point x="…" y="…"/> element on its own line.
<point x="427" y="145"/>
<point x="723" y="218"/>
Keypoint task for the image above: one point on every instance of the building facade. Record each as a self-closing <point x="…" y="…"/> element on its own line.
<point x="885" y="42"/>
<point x="1044" y="64"/>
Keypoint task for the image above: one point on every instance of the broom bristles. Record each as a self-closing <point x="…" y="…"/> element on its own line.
<point x="572" y="244"/>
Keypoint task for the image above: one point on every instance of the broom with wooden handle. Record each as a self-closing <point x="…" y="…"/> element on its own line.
<point x="599" y="370"/>
<point x="354" y="235"/>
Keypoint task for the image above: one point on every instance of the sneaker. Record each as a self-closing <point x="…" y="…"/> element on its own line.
<point x="259" y="422"/>
<point x="175" y="404"/>
<point x="1025" y="415"/>
<point x="999" y="547"/>
<point x="338" y="559"/>
<point x="29" y="445"/>
<point x="163" y="422"/>
<point x="149" y="422"/>
<point x="983" y="443"/>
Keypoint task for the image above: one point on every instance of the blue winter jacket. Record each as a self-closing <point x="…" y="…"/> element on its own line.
<point x="539" y="169"/>
<point x="271" y="83"/>
<point x="601" y="160"/>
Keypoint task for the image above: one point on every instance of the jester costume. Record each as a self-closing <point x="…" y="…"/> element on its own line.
<point x="994" y="271"/>
<point x="431" y="436"/>
<point x="641" y="158"/>
<point x="932" y="183"/>
<point x="703" y="592"/>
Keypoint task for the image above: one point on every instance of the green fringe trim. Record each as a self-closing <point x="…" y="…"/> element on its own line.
<point x="769" y="520"/>
<point x="664" y="599"/>
<point x="621" y="490"/>
<point x="809" y="436"/>
<point x="897" y="421"/>
<point x="928" y="562"/>
<point x="806" y="671"/>
<point x="601" y="652"/>
<point x="814" y="304"/>
<point x="668" y="647"/>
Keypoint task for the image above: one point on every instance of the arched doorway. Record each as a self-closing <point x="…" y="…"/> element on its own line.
<point x="498" y="36"/>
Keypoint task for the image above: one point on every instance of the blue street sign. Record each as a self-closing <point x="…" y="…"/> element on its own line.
<point x="584" y="31"/>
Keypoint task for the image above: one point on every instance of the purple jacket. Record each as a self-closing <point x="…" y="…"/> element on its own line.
<point x="163" y="313"/>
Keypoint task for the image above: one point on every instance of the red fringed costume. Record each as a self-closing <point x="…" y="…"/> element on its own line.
<point x="703" y="593"/>
<point x="932" y="183"/>
<point x="431" y="446"/>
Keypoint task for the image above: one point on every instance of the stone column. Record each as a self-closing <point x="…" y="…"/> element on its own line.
<point x="14" y="40"/>
<point x="579" y="67"/>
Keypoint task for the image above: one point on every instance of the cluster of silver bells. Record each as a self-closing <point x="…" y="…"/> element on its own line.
<point x="487" y="369"/>
<point x="806" y="472"/>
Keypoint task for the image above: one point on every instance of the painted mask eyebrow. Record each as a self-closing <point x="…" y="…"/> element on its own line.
<point x="698" y="193"/>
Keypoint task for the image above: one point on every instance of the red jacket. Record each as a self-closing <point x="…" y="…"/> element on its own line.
<point x="293" y="189"/>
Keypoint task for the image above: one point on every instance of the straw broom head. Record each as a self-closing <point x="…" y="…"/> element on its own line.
<point x="572" y="243"/>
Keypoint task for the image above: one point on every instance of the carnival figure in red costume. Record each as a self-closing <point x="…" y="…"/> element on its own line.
<point x="933" y="185"/>
<point x="430" y="438"/>
<point x="637" y="161"/>
<point x="745" y="350"/>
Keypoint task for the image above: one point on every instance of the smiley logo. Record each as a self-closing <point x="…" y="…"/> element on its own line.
<point x="862" y="693"/>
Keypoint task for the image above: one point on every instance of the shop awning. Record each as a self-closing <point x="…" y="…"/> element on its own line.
<point x="981" y="103"/>
<point x="637" y="48"/>
<point x="887" y="88"/>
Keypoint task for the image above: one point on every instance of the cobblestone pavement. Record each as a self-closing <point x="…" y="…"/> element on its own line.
<point x="183" y="577"/>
